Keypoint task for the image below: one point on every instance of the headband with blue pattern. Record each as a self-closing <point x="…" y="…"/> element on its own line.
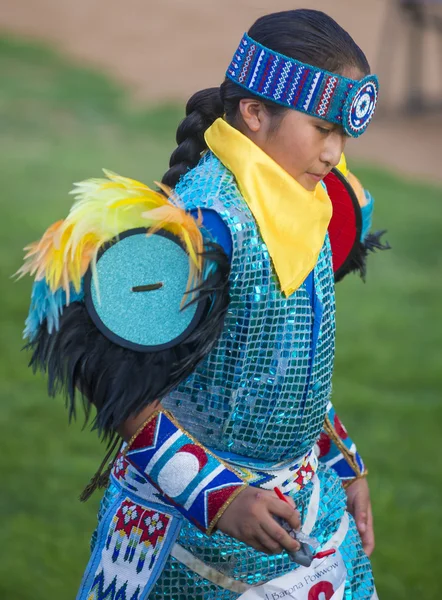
<point x="289" y="82"/>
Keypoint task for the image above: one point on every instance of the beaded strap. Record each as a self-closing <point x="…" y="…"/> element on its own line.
<point x="289" y="82"/>
<point x="187" y="474"/>
<point x="338" y="451"/>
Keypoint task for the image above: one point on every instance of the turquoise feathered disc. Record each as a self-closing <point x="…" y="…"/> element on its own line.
<point x="136" y="299"/>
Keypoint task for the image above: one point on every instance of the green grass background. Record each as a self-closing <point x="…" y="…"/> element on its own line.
<point x="60" y="124"/>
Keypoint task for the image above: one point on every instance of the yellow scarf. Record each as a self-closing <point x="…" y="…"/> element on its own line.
<point x="293" y="221"/>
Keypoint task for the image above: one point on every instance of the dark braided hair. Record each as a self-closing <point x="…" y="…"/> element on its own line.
<point x="306" y="35"/>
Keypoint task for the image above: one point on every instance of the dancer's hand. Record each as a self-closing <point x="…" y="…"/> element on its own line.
<point x="359" y="505"/>
<point x="250" y="519"/>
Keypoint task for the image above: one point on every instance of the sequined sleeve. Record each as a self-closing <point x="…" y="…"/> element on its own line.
<point x="188" y="475"/>
<point x="338" y="451"/>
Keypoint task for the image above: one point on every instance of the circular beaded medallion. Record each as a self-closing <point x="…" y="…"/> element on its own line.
<point x="360" y="106"/>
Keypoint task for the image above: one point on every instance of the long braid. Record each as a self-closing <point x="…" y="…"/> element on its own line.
<point x="202" y="110"/>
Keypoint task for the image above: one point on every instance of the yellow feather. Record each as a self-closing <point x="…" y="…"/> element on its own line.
<point x="155" y="199"/>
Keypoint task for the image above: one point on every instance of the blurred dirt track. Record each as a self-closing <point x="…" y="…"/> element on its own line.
<point x="168" y="49"/>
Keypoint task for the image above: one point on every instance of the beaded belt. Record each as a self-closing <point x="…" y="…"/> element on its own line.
<point x="290" y="477"/>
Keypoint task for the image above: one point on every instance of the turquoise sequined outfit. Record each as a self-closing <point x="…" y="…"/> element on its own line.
<point x="256" y="394"/>
<point x="261" y="395"/>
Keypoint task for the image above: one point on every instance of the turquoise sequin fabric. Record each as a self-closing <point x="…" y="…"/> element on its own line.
<point x="257" y="394"/>
<point x="262" y="394"/>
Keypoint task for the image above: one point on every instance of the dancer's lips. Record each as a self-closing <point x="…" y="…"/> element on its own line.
<point x="317" y="176"/>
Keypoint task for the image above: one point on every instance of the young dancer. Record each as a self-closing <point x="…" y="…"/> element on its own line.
<point x="191" y="510"/>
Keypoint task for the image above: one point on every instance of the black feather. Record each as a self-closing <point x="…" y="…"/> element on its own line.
<point x="357" y="261"/>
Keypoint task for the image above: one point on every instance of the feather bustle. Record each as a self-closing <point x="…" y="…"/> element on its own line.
<point x="80" y="361"/>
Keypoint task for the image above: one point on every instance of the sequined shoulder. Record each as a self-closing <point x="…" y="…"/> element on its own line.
<point x="208" y="185"/>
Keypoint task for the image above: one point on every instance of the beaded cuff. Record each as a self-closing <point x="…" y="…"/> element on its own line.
<point x="189" y="476"/>
<point x="289" y="82"/>
<point x="337" y="450"/>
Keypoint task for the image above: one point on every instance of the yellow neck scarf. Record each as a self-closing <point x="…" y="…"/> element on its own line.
<point x="293" y="221"/>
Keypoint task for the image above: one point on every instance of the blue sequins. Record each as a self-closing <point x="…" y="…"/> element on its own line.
<point x="261" y="366"/>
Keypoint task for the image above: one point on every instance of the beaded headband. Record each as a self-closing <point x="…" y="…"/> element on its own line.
<point x="289" y="82"/>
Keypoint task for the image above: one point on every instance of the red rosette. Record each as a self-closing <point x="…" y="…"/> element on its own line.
<point x="346" y="223"/>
